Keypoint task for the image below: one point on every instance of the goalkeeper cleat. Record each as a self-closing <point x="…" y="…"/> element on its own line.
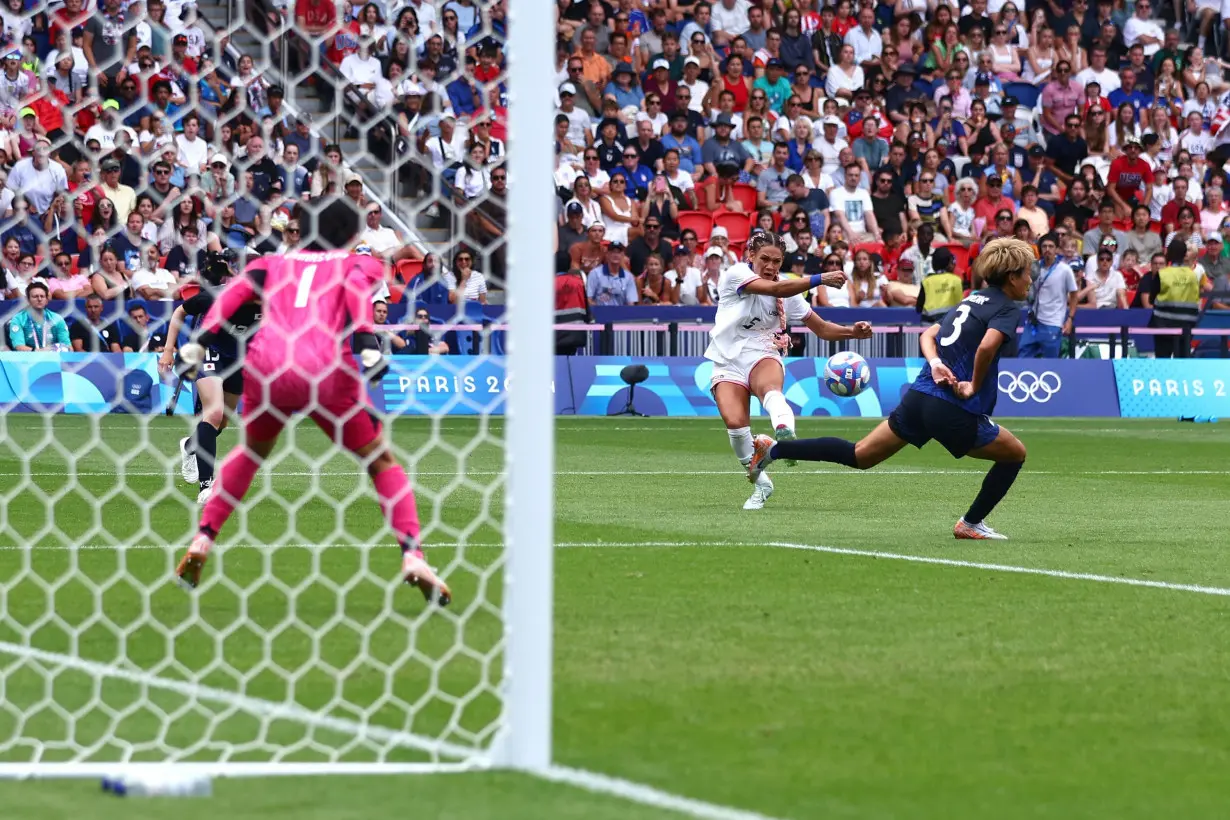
<point x="764" y="489"/>
<point x="417" y="573"/>
<point x="784" y="433"/>
<point x="761" y="445"/>
<point x="976" y="532"/>
<point x="188" y="573"/>
<point x="188" y="470"/>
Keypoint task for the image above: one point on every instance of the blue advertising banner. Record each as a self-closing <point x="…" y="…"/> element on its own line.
<point x="470" y="385"/>
<point x="680" y="387"/>
<point x="1173" y="387"/>
<point x="86" y="383"/>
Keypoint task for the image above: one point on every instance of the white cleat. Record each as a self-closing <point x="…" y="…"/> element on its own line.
<point x="764" y="489"/>
<point x="187" y="463"/>
<point x="205" y="493"/>
<point x="976" y="532"/>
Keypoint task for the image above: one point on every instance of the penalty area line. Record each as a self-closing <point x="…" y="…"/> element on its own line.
<point x="1009" y="568"/>
<point x="643" y="794"/>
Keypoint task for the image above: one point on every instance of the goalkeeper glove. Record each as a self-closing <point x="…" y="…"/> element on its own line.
<point x="371" y="359"/>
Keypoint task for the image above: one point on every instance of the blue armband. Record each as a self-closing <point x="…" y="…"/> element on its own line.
<point x="817" y="279"/>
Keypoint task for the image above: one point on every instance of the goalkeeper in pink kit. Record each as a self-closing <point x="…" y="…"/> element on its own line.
<point x="300" y="361"/>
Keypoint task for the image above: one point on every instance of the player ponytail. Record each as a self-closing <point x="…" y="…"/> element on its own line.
<point x="1001" y="258"/>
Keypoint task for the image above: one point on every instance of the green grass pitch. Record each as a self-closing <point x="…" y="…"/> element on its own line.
<point x="690" y="656"/>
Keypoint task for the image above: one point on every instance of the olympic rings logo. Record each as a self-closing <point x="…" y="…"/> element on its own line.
<point x="1027" y="385"/>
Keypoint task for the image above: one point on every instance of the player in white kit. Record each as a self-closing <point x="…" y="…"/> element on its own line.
<point x="751" y="335"/>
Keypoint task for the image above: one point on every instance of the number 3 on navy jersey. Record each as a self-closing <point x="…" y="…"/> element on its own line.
<point x="962" y="315"/>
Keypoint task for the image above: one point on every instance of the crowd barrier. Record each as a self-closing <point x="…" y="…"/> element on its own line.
<point x="591" y="386"/>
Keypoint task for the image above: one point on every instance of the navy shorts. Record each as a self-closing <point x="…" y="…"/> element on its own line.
<point x="219" y="364"/>
<point x="920" y="418"/>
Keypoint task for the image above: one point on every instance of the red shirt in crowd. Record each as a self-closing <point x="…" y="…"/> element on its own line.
<point x="987" y="208"/>
<point x="1127" y="176"/>
<point x="344" y="42"/>
<point x="318" y="15"/>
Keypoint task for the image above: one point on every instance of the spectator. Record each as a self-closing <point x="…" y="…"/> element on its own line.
<point x="1142" y="238"/>
<point x="122" y="197"/>
<point x="1105" y="228"/>
<point x="38" y="178"/>
<point x="92" y="335"/>
<point x="649" y="244"/>
<point x="653" y="285"/>
<point x="136" y="334"/>
<point x="589" y="254"/>
<point x="1175" y="296"/>
<point x="611" y="283"/>
<point x="852" y="208"/>
<point x="1052" y="305"/>
<point x="151" y="280"/>
<point x="1104" y="288"/>
<point x="1031" y="213"/>
<point x="966" y="226"/>
<point x="464" y="283"/>
<point x="35" y="327"/>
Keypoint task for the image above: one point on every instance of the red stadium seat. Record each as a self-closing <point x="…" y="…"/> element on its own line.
<point x="407" y="269"/>
<point x="962" y="255"/>
<point x="745" y="195"/>
<point x="699" y="221"/>
<point x="874" y="248"/>
<point x="1155" y="225"/>
<point x="736" y="224"/>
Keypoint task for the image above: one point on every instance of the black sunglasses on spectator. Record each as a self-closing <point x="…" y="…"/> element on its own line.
<point x="498" y="177"/>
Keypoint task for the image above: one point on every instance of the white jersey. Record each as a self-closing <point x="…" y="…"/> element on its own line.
<point x="746" y="322"/>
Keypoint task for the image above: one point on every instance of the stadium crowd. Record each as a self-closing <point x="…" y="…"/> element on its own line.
<point x="132" y="140"/>
<point x="874" y="134"/>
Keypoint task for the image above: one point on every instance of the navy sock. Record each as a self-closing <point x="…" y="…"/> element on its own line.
<point x="994" y="487"/>
<point x="206" y="449"/>
<point x="836" y="450"/>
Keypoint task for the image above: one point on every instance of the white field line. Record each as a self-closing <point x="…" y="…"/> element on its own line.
<point x="256" y="706"/>
<point x="1011" y="568"/>
<point x="645" y="795"/>
<point x="889" y="556"/>
<point x="173" y="474"/>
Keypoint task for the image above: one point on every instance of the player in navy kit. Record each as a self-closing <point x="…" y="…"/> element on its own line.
<point x="219" y="379"/>
<point x="954" y="395"/>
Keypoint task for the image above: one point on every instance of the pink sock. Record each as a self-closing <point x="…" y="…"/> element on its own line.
<point x="397" y="502"/>
<point x="234" y="479"/>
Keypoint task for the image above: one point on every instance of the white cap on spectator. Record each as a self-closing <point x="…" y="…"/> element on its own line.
<point x="831" y="120"/>
<point x="353" y="177"/>
<point x="1213" y="236"/>
<point x="717" y="231"/>
<point x="568" y="88"/>
<point x="692" y="61"/>
<point x="661" y="63"/>
<point x="412" y="89"/>
<point x="714" y="250"/>
<point x="220" y="158"/>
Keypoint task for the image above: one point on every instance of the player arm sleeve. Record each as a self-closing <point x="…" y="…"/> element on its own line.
<point x="1005" y="321"/>
<point x="237" y="292"/>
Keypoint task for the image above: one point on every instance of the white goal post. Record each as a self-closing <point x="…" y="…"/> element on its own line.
<point x="43" y="732"/>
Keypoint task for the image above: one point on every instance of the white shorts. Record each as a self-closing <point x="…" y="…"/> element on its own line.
<point x="739" y="371"/>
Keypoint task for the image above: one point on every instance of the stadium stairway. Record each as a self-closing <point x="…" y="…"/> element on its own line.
<point x="433" y="233"/>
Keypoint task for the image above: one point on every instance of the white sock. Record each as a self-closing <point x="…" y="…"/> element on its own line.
<point x="741" y="443"/>
<point x="780" y="414"/>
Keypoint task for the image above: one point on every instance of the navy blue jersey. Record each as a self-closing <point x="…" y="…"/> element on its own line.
<point x="236" y="331"/>
<point x="961" y="332"/>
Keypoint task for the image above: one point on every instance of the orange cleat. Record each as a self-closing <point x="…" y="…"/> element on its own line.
<point x="976" y="532"/>
<point x="188" y="573"/>
<point x="417" y="573"/>
<point x="761" y="445"/>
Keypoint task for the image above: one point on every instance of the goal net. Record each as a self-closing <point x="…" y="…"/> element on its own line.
<point x="147" y="135"/>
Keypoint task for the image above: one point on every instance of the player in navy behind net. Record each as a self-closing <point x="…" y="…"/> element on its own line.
<point x="219" y="378"/>
<point x="954" y="395"/>
<point x="312" y="353"/>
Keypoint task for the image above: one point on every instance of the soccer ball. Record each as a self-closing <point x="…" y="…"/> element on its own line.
<point x="847" y="374"/>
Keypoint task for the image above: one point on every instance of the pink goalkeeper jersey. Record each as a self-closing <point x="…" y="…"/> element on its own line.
<point x="312" y="302"/>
